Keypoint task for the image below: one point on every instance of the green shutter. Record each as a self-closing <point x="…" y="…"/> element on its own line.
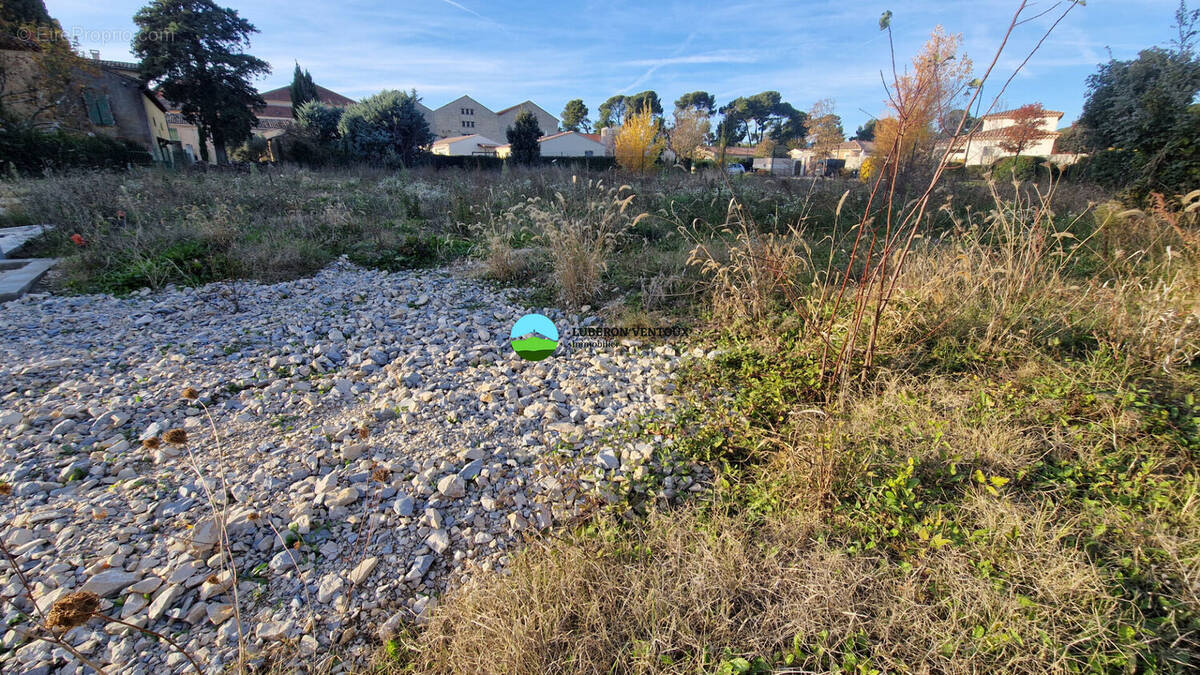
<point x="98" y="108"/>
<point x="89" y="101"/>
<point x="106" y="116"/>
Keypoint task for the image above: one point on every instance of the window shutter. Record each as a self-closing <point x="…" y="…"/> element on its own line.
<point x="98" y="108"/>
<point x="89" y="102"/>
<point x="105" y="110"/>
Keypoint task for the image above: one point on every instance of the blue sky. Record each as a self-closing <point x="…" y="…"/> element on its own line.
<point x="502" y="53"/>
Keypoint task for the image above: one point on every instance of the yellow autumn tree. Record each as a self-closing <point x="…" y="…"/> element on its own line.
<point x="895" y="139"/>
<point x="866" y="172"/>
<point x="824" y="129"/>
<point x="638" y="143"/>
<point x="922" y="97"/>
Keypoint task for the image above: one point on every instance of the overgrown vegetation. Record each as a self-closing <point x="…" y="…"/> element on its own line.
<point x="947" y="435"/>
<point x="1013" y="489"/>
<point x="153" y="228"/>
<point x="30" y="151"/>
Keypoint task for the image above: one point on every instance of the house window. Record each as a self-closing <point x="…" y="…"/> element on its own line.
<point x="174" y="134"/>
<point x="587" y="153"/>
<point x="466" y="111"/>
<point x="468" y="124"/>
<point x="98" y="108"/>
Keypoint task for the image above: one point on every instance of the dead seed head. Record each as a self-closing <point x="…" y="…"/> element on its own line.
<point x="152" y="443"/>
<point x="380" y="474"/>
<point x="212" y="579"/>
<point x="253" y="517"/>
<point x="363" y="432"/>
<point x="176" y="437"/>
<point x="191" y="394"/>
<point x="73" y="610"/>
<point x="5" y="489"/>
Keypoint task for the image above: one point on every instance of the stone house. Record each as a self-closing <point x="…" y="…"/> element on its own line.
<point x="99" y="97"/>
<point x="852" y="152"/>
<point x="119" y="105"/>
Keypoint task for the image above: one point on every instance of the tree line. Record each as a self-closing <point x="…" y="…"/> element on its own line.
<point x="1140" y="123"/>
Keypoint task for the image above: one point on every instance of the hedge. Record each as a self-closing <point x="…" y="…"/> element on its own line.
<point x="30" y="151"/>
<point x="487" y="163"/>
<point x="1021" y="168"/>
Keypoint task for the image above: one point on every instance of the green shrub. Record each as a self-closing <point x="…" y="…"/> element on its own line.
<point x="1110" y="168"/>
<point x="254" y="149"/>
<point x="1021" y="168"/>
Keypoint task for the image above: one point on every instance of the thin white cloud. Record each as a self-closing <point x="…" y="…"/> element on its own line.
<point x="655" y="66"/>
<point x="472" y="12"/>
<point x="468" y="10"/>
<point x="712" y="57"/>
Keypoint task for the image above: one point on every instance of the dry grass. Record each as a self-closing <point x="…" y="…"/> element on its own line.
<point x="1013" y="490"/>
<point x="687" y="593"/>
<point x="582" y="235"/>
<point x="151" y="228"/>
<point x="578" y="229"/>
<point x="1021" y="588"/>
<point x="1019" y="275"/>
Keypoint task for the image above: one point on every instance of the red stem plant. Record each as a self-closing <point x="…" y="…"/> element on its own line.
<point x="883" y="240"/>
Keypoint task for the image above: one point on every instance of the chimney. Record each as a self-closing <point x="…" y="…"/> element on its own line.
<point x="95" y="54"/>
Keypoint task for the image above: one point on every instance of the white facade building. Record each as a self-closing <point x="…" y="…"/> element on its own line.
<point x="464" y="116"/>
<point x="984" y="147"/>
<point x="566" y="144"/>
<point x="471" y="144"/>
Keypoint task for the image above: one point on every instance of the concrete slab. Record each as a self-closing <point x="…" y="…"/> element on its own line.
<point x="18" y="275"/>
<point x="12" y="238"/>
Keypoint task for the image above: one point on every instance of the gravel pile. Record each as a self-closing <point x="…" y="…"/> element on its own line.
<point x="377" y="441"/>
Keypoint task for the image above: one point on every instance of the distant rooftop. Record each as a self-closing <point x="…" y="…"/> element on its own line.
<point x="1004" y="114"/>
<point x="284" y="95"/>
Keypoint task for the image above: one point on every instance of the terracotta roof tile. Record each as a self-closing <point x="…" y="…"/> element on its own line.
<point x="1003" y="132"/>
<point x="1009" y="113"/>
<point x="865" y="146"/>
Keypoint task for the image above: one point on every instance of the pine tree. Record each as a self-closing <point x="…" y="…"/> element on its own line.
<point x="523" y="136"/>
<point x="575" y="116"/>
